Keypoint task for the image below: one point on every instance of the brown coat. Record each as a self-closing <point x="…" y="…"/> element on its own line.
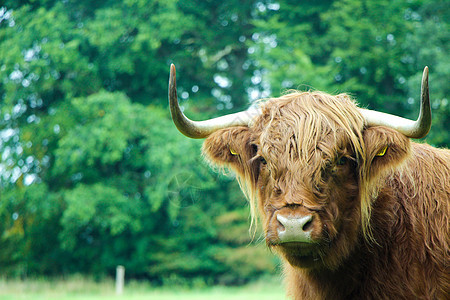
<point x="380" y="226"/>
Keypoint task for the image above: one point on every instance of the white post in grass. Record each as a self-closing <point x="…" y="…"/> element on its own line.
<point x="120" y="279"/>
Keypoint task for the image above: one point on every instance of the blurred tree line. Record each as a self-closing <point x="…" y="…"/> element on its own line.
<point x="94" y="174"/>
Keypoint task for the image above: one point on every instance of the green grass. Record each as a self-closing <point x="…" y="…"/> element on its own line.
<point x="80" y="288"/>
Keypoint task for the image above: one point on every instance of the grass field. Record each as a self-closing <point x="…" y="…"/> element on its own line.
<point x="82" y="288"/>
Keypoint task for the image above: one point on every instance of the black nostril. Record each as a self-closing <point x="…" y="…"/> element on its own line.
<point x="307" y="226"/>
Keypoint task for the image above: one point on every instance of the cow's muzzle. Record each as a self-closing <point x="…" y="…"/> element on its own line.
<point x="295" y="229"/>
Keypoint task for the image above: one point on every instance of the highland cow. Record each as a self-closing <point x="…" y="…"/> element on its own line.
<point x="353" y="207"/>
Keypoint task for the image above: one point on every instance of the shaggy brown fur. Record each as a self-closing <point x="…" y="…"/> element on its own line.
<point x="380" y="223"/>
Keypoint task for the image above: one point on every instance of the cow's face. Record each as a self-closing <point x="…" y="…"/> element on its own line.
<point x="307" y="160"/>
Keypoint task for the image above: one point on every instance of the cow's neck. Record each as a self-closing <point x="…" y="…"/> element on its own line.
<point x="324" y="283"/>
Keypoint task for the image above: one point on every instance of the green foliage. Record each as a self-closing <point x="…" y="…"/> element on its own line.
<point x="374" y="50"/>
<point x="93" y="173"/>
<point x="100" y="207"/>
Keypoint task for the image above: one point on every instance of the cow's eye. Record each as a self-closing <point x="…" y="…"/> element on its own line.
<point x="342" y="161"/>
<point x="255" y="148"/>
<point x="263" y="160"/>
<point x="277" y="190"/>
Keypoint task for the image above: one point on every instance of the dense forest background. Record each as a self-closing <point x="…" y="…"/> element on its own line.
<point x="94" y="174"/>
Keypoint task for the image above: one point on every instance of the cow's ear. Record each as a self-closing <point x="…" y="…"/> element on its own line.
<point x="230" y="148"/>
<point x="385" y="149"/>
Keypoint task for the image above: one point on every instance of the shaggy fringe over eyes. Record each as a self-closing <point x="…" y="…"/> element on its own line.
<point x="309" y="117"/>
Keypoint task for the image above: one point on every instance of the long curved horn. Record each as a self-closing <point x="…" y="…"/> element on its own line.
<point x="413" y="129"/>
<point x="202" y="129"/>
